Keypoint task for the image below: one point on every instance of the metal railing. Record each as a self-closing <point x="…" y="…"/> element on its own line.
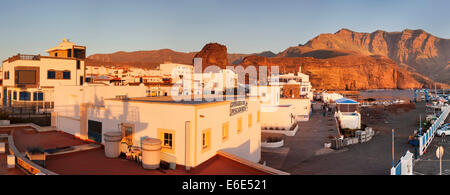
<point x="23" y="57"/>
<point x="427" y="138"/>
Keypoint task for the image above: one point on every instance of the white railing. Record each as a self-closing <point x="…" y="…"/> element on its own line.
<point x="427" y="138"/>
<point x="404" y="166"/>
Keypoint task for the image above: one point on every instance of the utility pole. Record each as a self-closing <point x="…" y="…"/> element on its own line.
<point x="420" y="121"/>
<point x="393" y="156"/>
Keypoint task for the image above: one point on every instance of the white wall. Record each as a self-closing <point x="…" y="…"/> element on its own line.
<point x="44" y="65"/>
<point x="302" y="107"/>
<point x="280" y="116"/>
<point x="148" y="117"/>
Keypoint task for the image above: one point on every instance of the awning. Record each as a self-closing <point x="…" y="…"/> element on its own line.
<point x="346" y="101"/>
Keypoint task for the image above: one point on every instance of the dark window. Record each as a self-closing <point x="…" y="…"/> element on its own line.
<point x="56" y="54"/>
<point x="26" y="76"/>
<point x="51" y="74"/>
<point x="168" y="140"/>
<point x="95" y="131"/>
<point x="78" y="64"/>
<point x="81" y="80"/>
<point x="23" y="95"/>
<point x="15" y="95"/>
<point x="38" y="96"/>
<point x="66" y="75"/>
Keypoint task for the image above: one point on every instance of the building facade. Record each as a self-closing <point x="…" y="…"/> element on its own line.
<point x="29" y="80"/>
<point x="191" y="132"/>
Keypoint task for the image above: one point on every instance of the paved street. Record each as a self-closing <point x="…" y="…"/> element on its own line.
<point x="428" y="164"/>
<point x="306" y="154"/>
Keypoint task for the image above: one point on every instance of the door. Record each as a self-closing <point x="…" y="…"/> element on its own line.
<point x="5" y="96"/>
<point x="95" y="131"/>
<point x="9" y="99"/>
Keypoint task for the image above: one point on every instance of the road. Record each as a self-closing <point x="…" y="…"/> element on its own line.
<point x="304" y="153"/>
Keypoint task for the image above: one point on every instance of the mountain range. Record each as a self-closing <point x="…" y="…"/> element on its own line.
<point x="342" y="60"/>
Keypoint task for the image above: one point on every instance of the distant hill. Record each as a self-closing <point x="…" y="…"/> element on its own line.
<point x="151" y="59"/>
<point x="143" y="59"/>
<point x="343" y="60"/>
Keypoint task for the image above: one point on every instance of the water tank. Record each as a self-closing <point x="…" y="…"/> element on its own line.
<point x="112" y="144"/>
<point x="151" y="153"/>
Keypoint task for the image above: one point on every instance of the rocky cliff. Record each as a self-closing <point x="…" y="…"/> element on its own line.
<point x="350" y="72"/>
<point x="213" y="54"/>
<point x="415" y="50"/>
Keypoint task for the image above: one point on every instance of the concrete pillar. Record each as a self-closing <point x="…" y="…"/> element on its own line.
<point x="84" y="120"/>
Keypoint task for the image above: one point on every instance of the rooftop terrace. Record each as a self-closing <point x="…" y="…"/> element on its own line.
<point x="94" y="162"/>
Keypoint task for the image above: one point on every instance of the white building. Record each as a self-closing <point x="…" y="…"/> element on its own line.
<point x="191" y="132"/>
<point x="29" y="80"/>
<point x="348" y="113"/>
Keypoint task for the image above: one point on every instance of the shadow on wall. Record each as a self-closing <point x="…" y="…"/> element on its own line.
<point x="244" y="151"/>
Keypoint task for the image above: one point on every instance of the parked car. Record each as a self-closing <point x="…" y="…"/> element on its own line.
<point x="445" y="130"/>
<point x="445" y="125"/>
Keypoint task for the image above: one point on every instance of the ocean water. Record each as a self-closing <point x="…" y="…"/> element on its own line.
<point x="387" y="95"/>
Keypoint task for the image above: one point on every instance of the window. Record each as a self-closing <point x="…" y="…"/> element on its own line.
<point x="206" y="140"/>
<point x="225" y="133"/>
<point x="168" y="140"/>
<point x="239" y="125"/>
<point x="15" y="95"/>
<point x="26" y="96"/>
<point x="51" y="74"/>
<point x="66" y="75"/>
<point x="26" y="77"/>
<point x="6" y="75"/>
<point x="258" y="116"/>
<point x="250" y="120"/>
<point x="78" y="64"/>
<point x="38" y="96"/>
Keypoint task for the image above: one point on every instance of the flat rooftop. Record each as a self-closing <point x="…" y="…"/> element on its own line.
<point x="94" y="162"/>
<point x="25" y="137"/>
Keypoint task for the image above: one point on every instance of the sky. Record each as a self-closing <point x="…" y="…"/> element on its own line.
<point x="244" y="26"/>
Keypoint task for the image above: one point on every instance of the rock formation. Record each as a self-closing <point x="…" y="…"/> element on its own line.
<point x="213" y="54"/>
<point x="415" y="50"/>
<point x="352" y="72"/>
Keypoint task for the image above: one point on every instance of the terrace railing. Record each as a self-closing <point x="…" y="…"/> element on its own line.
<point x="23" y="57"/>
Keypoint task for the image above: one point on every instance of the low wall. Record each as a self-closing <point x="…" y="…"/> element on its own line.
<point x="257" y="166"/>
<point x="404" y="166"/>
<point x="272" y="144"/>
<point x="22" y="161"/>
<point x="284" y="132"/>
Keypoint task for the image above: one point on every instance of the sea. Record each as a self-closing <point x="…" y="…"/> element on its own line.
<point x="387" y="95"/>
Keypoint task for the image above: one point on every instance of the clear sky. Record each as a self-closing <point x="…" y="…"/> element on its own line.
<point x="244" y="26"/>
